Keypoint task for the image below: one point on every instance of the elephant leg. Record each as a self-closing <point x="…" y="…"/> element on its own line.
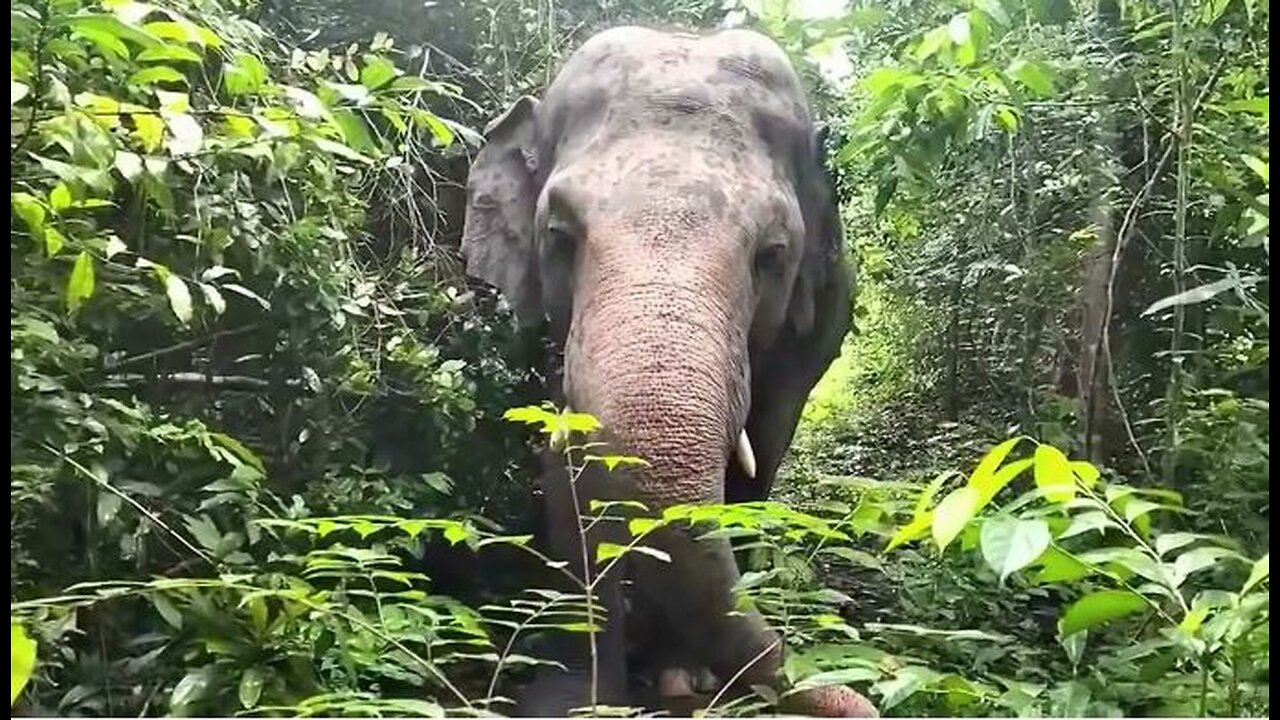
<point x="554" y="692"/>
<point x="695" y="591"/>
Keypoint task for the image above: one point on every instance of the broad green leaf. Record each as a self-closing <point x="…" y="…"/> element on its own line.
<point x="1007" y="119"/>
<point x="129" y="165"/>
<point x="31" y="210"/>
<point x="1033" y="75"/>
<point x="1099" y="607"/>
<point x="1053" y="474"/>
<point x="167" y="611"/>
<point x="933" y="42"/>
<point x="169" y="53"/>
<point x="988" y="486"/>
<point x="613" y="461"/>
<point x="108" y="26"/>
<point x="1260" y="572"/>
<point x="1058" y="566"/>
<point x="149" y="129"/>
<point x="1086" y="521"/>
<point x="914" y="530"/>
<point x="1259" y="167"/>
<point x="377" y="71"/>
<point x="81" y="283"/>
<point x="157" y="74"/>
<point x="844" y="676"/>
<point x="186" y="135"/>
<point x="179" y="297"/>
<point x="354" y="131"/>
<point x="990" y="462"/>
<point x="1193" y="561"/>
<point x="22" y="660"/>
<point x="905" y="683"/>
<point x="1199" y="294"/>
<point x="1087" y="473"/>
<point x="1010" y="544"/>
<point x="53" y="241"/>
<point x="213" y="298"/>
<point x="245" y="75"/>
<point x="246" y="292"/>
<point x="953" y="513"/>
<point x="60" y="197"/>
<point x="250" y="689"/>
<point x="190" y="689"/>
<point x="1169" y="542"/>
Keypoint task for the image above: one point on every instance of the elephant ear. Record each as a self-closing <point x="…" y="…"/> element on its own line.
<point x="818" y="318"/>
<point x="497" y="236"/>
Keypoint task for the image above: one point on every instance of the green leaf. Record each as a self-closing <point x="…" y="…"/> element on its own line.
<point x="53" y="241"/>
<point x="17" y="91"/>
<point x="377" y="71"/>
<point x="844" y="676"/>
<point x="190" y="689"/>
<point x="1099" y="607"/>
<point x="186" y="135"/>
<point x="953" y="513"/>
<point x="905" y="683"/>
<point x="246" y="292"/>
<point x="1007" y="119"/>
<point x="1198" y="294"/>
<point x="149" y="129"/>
<point x="1259" y="167"/>
<point x="1053" y="474"/>
<point x="1087" y="521"/>
<point x="982" y="474"/>
<point x="60" y="197"/>
<point x="1058" y="566"/>
<point x="1010" y="544"/>
<point x="613" y="461"/>
<point x="81" y="283"/>
<point x="990" y="485"/>
<point x="179" y="297"/>
<point x="250" y="690"/>
<point x="31" y="210"/>
<point x="1033" y="75"/>
<point x="170" y="53"/>
<point x="167" y="611"/>
<point x="157" y="74"/>
<point x="22" y="660"/>
<point x="244" y="76"/>
<point x="1193" y="561"/>
<point x="1261" y="571"/>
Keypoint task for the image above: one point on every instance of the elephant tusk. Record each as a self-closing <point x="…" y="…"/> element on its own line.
<point x="746" y="457"/>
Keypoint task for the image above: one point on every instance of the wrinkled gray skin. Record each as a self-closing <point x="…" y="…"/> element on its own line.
<point x="665" y="208"/>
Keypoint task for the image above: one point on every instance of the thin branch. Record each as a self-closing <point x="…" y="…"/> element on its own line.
<point x="184" y="345"/>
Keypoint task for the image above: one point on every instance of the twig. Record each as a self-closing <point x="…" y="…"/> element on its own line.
<point x="184" y="345"/>
<point x="136" y="505"/>
<point x="1126" y="232"/>
<point x="226" y="382"/>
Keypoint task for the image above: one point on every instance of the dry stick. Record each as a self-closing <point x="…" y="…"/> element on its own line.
<point x="185" y="345"/>
<point x="1123" y="236"/>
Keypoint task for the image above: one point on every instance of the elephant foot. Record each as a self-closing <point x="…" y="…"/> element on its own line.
<point x="676" y="682"/>
<point x="830" y="701"/>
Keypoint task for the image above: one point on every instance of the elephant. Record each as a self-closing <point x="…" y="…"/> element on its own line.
<point x="664" y="216"/>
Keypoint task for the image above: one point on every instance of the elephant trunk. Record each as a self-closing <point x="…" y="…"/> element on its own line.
<point x="658" y="352"/>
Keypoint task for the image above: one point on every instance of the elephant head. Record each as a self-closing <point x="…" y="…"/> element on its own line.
<point x="665" y="210"/>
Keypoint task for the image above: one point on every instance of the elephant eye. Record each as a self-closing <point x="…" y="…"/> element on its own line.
<point x="560" y="241"/>
<point x="770" y="259"/>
